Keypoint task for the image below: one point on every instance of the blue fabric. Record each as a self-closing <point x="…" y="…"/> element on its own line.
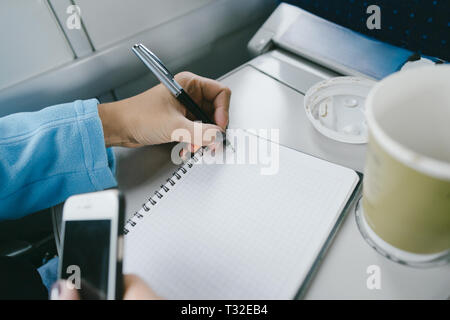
<point x="49" y="155"/>
<point x="330" y="42"/>
<point x="421" y="26"/>
<point x="49" y="273"/>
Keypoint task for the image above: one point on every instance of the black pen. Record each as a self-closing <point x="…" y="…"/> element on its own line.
<point x="166" y="78"/>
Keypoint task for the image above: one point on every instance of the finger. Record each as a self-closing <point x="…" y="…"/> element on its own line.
<point x="194" y="148"/>
<point x="203" y="89"/>
<point x="220" y="96"/>
<point x="206" y="106"/>
<point x="184" y="154"/>
<point x="222" y="106"/>
<point x="137" y="289"/>
<point x="199" y="134"/>
<point x="188" y="151"/>
<point x="63" y="290"/>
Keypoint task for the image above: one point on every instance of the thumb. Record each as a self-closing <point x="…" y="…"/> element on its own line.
<point x="137" y="289"/>
<point x="62" y="290"/>
<point x="198" y="133"/>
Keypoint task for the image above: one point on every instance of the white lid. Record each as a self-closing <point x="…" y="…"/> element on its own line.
<point x="336" y="108"/>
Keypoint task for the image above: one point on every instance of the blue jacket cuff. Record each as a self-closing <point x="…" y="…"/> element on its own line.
<point x="100" y="162"/>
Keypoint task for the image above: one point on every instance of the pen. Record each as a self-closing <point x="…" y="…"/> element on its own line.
<point x="167" y="79"/>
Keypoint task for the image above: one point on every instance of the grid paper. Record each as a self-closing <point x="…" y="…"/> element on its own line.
<point x="228" y="232"/>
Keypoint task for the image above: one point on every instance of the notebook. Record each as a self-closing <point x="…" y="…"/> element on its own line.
<point x="233" y="229"/>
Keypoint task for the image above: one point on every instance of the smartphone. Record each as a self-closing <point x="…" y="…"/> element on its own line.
<point x="92" y="244"/>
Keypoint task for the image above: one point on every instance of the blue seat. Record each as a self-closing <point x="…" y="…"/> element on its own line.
<point x="421" y="26"/>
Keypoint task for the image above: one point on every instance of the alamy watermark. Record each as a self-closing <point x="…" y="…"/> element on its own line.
<point x="373" y="281"/>
<point x="243" y="147"/>
<point x="74" y="278"/>
<point x="74" y="19"/>
<point x="374" y="20"/>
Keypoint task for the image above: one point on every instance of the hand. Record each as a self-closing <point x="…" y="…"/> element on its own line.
<point x="152" y="116"/>
<point x="134" y="289"/>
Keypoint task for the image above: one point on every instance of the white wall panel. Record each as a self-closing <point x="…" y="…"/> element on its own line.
<point x="209" y="40"/>
<point x="78" y="38"/>
<point x="109" y="21"/>
<point x="31" y="41"/>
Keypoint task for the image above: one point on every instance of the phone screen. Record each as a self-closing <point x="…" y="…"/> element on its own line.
<point x="86" y="252"/>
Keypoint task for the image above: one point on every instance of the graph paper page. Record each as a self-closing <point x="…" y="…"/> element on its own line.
<point x="226" y="231"/>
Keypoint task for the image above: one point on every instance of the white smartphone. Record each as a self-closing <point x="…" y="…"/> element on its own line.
<point x="92" y="244"/>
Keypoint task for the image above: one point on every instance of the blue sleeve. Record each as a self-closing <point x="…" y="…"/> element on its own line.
<point x="49" y="155"/>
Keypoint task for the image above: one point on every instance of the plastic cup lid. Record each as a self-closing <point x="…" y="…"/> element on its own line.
<point x="336" y="108"/>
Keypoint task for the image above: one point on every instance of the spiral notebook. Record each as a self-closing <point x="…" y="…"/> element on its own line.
<point x="239" y="228"/>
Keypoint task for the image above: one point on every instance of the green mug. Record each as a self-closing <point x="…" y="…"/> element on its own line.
<point x="405" y="211"/>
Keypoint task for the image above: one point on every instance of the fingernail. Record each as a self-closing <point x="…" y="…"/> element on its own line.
<point x="220" y="136"/>
<point x="55" y="291"/>
<point x="195" y="148"/>
<point x="184" y="154"/>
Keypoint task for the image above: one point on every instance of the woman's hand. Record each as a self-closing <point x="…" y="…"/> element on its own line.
<point x="134" y="289"/>
<point x="153" y="116"/>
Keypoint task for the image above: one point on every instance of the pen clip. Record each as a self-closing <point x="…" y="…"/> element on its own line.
<point x="157" y="67"/>
<point x="158" y="63"/>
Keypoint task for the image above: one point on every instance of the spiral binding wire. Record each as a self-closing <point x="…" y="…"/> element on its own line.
<point x="165" y="188"/>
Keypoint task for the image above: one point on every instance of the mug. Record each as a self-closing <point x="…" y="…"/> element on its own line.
<point x="405" y="211"/>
